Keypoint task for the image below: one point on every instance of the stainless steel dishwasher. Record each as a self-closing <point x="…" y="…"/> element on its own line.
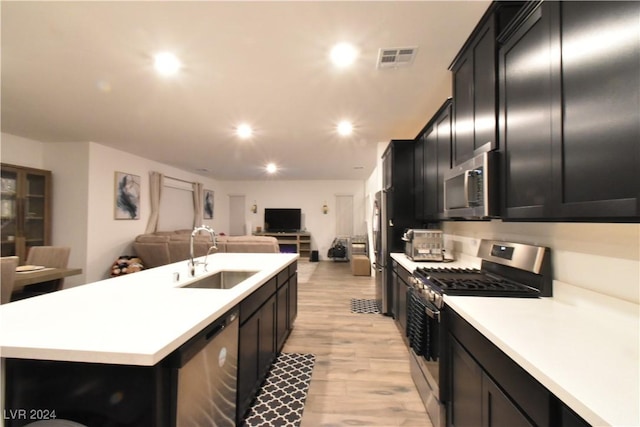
<point x="204" y="376"/>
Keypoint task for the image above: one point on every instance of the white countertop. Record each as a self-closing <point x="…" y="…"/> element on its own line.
<point x="582" y="346"/>
<point x="135" y="319"/>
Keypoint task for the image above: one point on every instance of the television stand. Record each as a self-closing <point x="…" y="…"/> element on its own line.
<point x="291" y="242"/>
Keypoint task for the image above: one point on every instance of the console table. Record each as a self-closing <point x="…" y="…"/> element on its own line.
<point x="299" y="242"/>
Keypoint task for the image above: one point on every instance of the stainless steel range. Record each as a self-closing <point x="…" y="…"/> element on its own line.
<point x="507" y="270"/>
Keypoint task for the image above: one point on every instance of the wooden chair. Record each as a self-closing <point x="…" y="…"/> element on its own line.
<point x="48" y="256"/>
<point x="8" y="265"/>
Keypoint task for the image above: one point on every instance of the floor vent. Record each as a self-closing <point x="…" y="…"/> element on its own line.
<point x="396" y="57"/>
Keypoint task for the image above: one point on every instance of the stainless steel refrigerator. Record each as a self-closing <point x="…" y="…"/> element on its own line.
<point x="380" y="253"/>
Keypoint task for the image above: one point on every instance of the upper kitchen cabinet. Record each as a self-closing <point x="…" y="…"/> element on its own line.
<point x="475" y="82"/>
<point x="569" y="101"/>
<point x="398" y="181"/>
<point x="433" y="159"/>
<point x="25" y="209"/>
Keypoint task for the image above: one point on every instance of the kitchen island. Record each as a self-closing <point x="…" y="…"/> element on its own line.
<point x="581" y="346"/>
<point x="130" y="326"/>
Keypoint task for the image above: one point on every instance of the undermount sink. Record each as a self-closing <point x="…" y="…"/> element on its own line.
<point x="225" y="279"/>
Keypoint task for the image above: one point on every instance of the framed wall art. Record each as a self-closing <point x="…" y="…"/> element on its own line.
<point x="127" y="196"/>
<point x="208" y="204"/>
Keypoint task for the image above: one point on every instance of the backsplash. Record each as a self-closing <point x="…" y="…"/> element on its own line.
<point x="600" y="257"/>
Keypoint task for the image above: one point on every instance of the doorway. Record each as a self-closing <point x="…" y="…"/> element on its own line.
<point x="237" y="218"/>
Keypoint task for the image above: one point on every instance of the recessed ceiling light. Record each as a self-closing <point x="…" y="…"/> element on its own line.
<point x="272" y="168"/>
<point x="166" y="63"/>
<point x="244" y="131"/>
<point x="345" y="128"/>
<point x="343" y="55"/>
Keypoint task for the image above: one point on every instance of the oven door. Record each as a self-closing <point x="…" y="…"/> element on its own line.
<point x="425" y="341"/>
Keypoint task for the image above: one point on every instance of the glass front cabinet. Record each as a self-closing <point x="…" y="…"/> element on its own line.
<point x="25" y="209"/>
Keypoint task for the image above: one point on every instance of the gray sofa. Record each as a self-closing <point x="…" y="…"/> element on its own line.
<point x="166" y="247"/>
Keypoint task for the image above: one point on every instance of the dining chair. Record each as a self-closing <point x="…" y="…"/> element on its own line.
<point x="8" y="265"/>
<point x="48" y="256"/>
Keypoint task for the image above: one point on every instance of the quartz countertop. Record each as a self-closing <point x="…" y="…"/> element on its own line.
<point x="581" y="345"/>
<point x="136" y="319"/>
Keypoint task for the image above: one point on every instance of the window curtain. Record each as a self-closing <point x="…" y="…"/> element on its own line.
<point x="156" y="181"/>
<point x="197" y="204"/>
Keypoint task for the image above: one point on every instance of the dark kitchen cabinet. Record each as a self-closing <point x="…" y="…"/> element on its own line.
<point x="569" y="102"/>
<point x="266" y="320"/>
<point x="437" y="161"/>
<point x="419" y="171"/>
<point x="256" y="352"/>
<point x="401" y="279"/>
<point x="526" y="99"/>
<point x="486" y="387"/>
<point x="286" y="303"/>
<point x="596" y="163"/>
<point x="474" y="77"/>
<point x="292" y="296"/>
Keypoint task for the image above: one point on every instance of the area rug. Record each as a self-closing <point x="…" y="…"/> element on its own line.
<point x="280" y="400"/>
<point x="305" y="271"/>
<point x="364" y="306"/>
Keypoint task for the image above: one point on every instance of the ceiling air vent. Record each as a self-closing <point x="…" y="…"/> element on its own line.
<point x="396" y="57"/>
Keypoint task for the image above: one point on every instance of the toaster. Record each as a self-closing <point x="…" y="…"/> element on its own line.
<point x="423" y="245"/>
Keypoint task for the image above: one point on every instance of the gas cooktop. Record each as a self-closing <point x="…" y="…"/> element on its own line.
<point x="507" y="270"/>
<point x="474" y="282"/>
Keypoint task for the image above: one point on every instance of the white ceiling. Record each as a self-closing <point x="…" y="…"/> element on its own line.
<point x="82" y="71"/>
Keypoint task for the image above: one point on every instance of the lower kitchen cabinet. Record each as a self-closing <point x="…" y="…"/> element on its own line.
<point x="401" y="279"/>
<point x="488" y="388"/>
<point x="475" y="399"/>
<point x="266" y="320"/>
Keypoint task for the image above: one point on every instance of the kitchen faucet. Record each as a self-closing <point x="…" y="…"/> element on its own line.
<point x="192" y="263"/>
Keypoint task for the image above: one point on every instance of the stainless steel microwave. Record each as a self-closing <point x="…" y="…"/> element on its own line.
<point x="470" y="189"/>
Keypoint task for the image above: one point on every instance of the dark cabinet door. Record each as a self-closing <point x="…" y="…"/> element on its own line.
<point x="444" y="137"/>
<point x="598" y="160"/>
<point x="465" y="406"/>
<point x="475" y="399"/>
<point x="526" y="125"/>
<point x="266" y="337"/>
<point x="419" y="179"/>
<point x="463" y="110"/>
<point x="282" y="311"/>
<point x="474" y="86"/>
<point x="497" y="408"/>
<point x="403" y="288"/>
<point x="247" y="364"/>
<point x="293" y="300"/>
<point x="436" y="161"/>
<point x="430" y="166"/>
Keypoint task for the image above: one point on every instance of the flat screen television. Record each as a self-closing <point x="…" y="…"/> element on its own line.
<point x="282" y="220"/>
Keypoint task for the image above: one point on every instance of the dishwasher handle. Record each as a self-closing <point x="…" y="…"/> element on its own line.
<point x="185" y="352"/>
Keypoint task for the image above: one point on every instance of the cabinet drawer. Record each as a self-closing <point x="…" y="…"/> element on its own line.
<point x="253" y="302"/>
<point x="283" y="276"/>
<point x="293" y="268"/>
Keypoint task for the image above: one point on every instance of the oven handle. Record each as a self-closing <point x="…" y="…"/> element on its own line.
<point x="434" y="314"/>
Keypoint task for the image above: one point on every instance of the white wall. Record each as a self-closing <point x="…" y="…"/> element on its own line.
<point x="306" y="195"/>
<point x="83" y="198"/>
<point x="20" y="151"/>
<point x="108" y="238"/>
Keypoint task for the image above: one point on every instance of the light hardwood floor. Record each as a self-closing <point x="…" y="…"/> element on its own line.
<point x="361" y="376"/>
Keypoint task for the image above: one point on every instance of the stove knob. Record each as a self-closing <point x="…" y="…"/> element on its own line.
<point x="438" y="300"/>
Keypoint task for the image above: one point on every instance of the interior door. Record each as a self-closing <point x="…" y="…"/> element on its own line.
<point x="237" y="226"/>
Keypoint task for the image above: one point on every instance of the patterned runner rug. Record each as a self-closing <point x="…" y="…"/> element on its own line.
<point x="280" y="401"/>
<point x="366" y="306"/>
